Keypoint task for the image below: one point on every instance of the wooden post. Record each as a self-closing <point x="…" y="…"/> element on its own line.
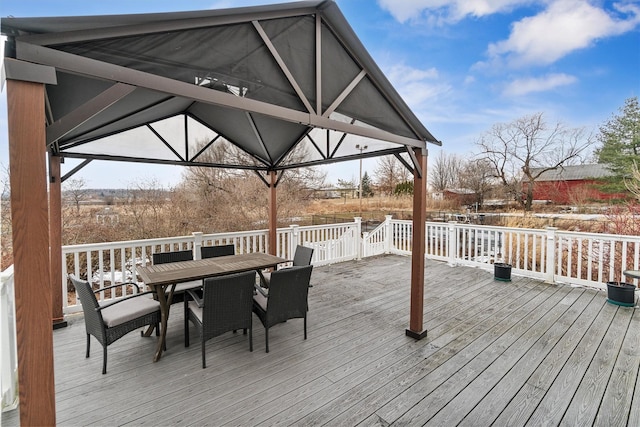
<point x="55" y="240"/>
<point x="273" y="214"/>
<point x="417" y="256"/>
<point x="29" y="210"/>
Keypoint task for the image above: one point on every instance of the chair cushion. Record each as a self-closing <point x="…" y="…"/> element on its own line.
<point x="180" y="287"/>
<point x="261" y="300"/>
<point x="197" y="311"/>
<point x="127" y="310"/>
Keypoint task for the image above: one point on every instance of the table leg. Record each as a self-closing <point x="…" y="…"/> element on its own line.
<point x="149" y="330"/>
<point x="164" y="316"/>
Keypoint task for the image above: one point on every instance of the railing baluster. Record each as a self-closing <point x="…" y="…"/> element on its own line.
<point x="534" y="253"/>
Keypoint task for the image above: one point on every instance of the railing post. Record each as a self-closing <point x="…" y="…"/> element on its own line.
<point x="9" y="357"/>
<point x="294" y="239"/>
<point x="388" y="238"/>
<point x="197" y="244"/>
<point x="365" y="246"/>
<point x="452" y="246"/>
<point x="359" y="241"/>
<point x="551" y="255"/>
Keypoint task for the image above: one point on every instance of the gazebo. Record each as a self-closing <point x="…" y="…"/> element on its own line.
<point x="289" y="85"/>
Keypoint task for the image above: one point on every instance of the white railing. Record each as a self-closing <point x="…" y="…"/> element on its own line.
<point x="117" y="262"/>
<point x="586" y="258"/>
<point x="589" y="259"/>
<point x="8" y="347"/>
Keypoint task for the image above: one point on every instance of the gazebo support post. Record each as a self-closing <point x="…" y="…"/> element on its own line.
<point x="55" y="240"/>
<point x="418" y="240"/>
<point x="273" y="214"/>
<point x="29" y="216"/>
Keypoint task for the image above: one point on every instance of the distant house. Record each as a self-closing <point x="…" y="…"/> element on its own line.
<point x="572" y="184"/>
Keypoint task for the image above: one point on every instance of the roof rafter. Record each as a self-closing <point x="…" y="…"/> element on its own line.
<point x="73" y="63"/>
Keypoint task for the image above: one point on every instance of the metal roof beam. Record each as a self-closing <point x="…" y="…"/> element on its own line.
<point x="86" y="111"/>
<point x="166" y="23"/>
<point x="98" y="69"/>
<point x="283" y="66"/>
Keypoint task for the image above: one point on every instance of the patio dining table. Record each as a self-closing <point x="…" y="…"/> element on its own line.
<point x="163" y="277"/>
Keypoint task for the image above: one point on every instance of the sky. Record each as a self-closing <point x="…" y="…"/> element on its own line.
<point x="462" y="66"/>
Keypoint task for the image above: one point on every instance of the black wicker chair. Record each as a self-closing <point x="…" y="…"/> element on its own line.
<point x="226" y="305"/>
<point x="113" y="320"/>
<point x="176" y="256"/>
<point x="215" y="251"/>
<point x="286" y="299"/>
<point x="301" y="257"/>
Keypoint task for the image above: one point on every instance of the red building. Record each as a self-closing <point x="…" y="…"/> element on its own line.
<point x="573" y="185"/>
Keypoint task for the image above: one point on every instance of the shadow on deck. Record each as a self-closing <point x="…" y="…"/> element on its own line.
<point x="518" y="353"/>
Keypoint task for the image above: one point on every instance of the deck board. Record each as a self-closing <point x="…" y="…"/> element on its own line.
<point x="496" y="353"/>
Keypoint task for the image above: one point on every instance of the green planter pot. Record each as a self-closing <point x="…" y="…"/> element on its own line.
<point x="620" y="293"/>
<point x="502" y="272"/>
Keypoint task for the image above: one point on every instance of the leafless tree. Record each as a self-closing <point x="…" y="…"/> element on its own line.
<point x="5" y="224"/>
<point x="444" y="171"/>
<point x="477" y="176"/>
<point x="220" y="199"/>
<point x="75" y="191"/>
<point x="522" y="150"/>
<point x="145" y="208"/>
<point x="388" y="173"/>
<point x="633" y="182"/>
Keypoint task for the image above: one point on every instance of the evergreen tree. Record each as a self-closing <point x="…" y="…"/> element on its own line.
<point x="367" y="191"/>
<point x="404" y="189"/>
<point x="620" y="139"/>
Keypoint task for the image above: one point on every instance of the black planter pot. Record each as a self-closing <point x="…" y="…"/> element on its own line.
<point x="502" y="272"/>
<point x="620" y="293"/>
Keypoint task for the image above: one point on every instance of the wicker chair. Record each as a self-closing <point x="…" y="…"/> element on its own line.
<point x="176" y="256"/>
<point x="225" y="306"/>
<point x="301" y="257"/>
<point x="113" y="320"/>
<point x="286" y="299"/>
<point x="215" y="251"/>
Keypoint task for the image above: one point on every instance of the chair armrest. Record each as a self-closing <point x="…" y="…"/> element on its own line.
<point x="199" y="301"/>
<point x="118" y="301"/>
<point x="262" y="290"/>
<point x="118" y="285"/>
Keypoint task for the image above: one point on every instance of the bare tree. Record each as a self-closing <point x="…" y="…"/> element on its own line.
<point x="633" y="182"/>
<point x="444" y="171"/>
<point x="220" y="199"/>
<point x="390" y="172"/>
<point x="478" y="177"/>
<point x="6" y="241"/>
<point x="520" y="151"/>
<point x="146" y="208"/>
<point x="75" y="191"/>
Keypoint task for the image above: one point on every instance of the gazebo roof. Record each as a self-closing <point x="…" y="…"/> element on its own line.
<point x="289" y="85"/>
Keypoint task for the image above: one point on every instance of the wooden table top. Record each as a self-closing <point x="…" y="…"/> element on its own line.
<point x="183" y="271"/>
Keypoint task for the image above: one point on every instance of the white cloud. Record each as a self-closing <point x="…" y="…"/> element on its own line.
<point x="565" y="26"/>
<point x="525" y="86"/>
<point x="416" y="86"/>
<point x="446" y="11"/>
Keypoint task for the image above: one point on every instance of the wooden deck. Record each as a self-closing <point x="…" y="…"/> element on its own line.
<point x="505" y="354"/>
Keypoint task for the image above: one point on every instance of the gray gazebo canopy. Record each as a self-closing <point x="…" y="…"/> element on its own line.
<point x="168" y="87"/>
<point x="289" y="85"/>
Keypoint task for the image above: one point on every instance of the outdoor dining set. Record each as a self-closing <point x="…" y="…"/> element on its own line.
<point x="220" y="292"/>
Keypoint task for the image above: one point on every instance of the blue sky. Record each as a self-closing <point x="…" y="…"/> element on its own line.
<point x="461" y="65"/>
